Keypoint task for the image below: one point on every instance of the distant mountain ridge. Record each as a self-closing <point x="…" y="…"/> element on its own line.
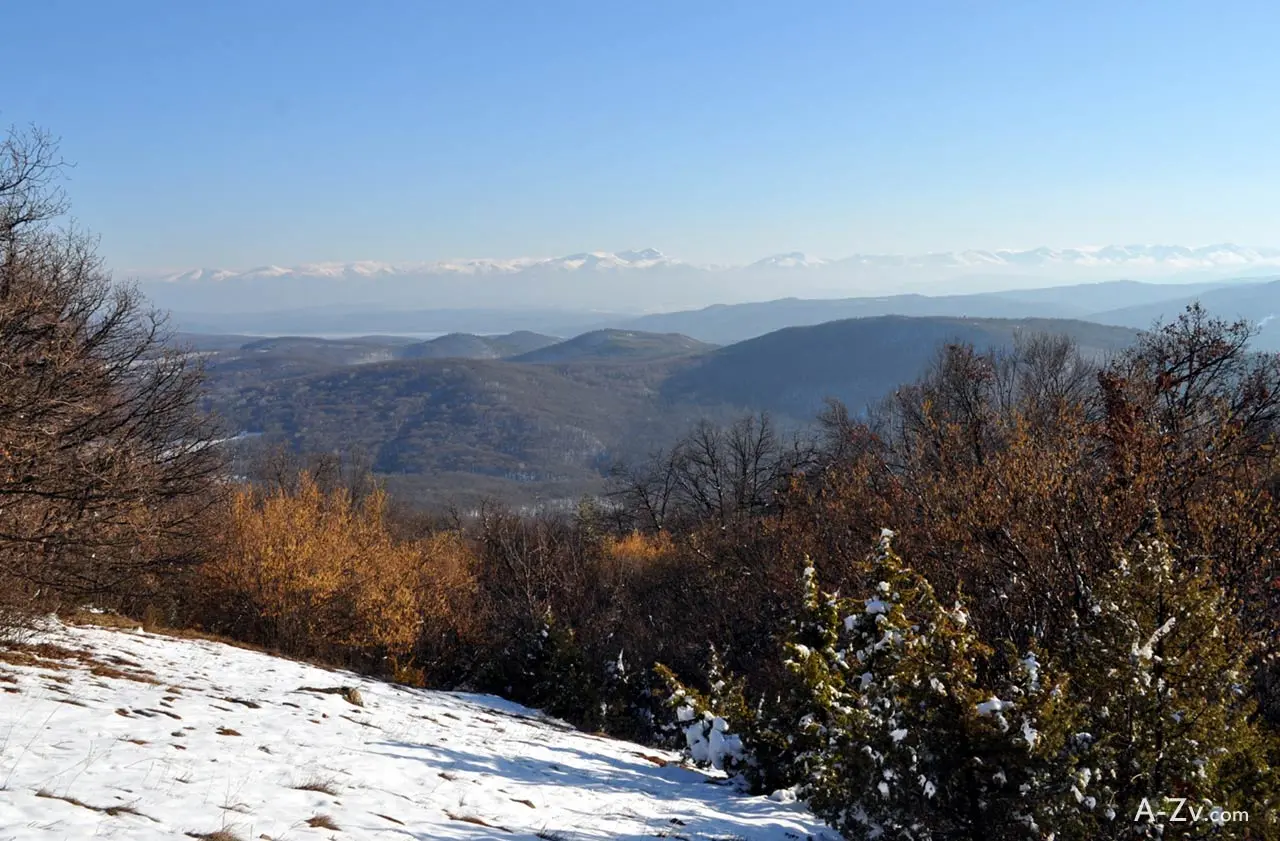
<point x="471" y="346"/>
<point x="1123" y="303"/>
<point x="857" y="360"/>
<point x="616" y="346"/>
<point x="1129" y="257"/>
<point x="647" y="280"/>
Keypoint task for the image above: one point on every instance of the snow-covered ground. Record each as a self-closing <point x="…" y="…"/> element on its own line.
<point x="130" y="735"/>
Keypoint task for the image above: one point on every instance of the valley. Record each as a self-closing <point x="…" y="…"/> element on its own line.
<point x="530" y="419"/>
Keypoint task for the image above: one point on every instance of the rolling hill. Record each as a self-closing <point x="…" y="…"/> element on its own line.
<point x="1256" y="302"/>
<point x="546" y="424"/>
<point x="858" y="361"/>
<point x="617" y="346"/>
<point x="356" y="351"/>
<point x="538" y="425"/>
<point x="471" y="346"/>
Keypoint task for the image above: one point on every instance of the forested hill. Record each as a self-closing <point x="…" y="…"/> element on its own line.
<point x="551" y="421"/>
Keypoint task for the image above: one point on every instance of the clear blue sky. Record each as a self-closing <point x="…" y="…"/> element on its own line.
<point x="237" y="133"/>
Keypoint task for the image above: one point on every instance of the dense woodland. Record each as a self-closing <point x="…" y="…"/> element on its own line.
<point x="1025" y="593"/>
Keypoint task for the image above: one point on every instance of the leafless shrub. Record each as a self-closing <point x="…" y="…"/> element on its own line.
<point x="106" y="461"/>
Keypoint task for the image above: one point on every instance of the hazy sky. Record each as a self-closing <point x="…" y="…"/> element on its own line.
<point x="241" y="133"/>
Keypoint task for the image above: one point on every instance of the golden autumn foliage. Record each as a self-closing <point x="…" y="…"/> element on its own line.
<point x="639" y="548"/>
<point x="318" y="574"/>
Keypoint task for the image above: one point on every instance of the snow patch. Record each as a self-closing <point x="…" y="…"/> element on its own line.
<point x="199" y="736"/>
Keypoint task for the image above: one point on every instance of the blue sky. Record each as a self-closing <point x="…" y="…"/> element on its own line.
<point x="243" y="133"/>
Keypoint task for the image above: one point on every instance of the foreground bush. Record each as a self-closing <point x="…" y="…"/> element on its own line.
<point x="1017" y="477"/>
<point x="316" y="574"/>
<point x="898" y="722"/>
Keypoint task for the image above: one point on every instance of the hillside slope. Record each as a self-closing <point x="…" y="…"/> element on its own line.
<point x="1256" y="302"/>
<point x="857" y="360"/>
<point x="616" y="346"/>
<point x="495" y="418"/>
<point x="130" y="735"/>
<point x="471" y="346"/>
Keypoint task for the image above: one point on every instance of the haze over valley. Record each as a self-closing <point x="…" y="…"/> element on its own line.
<point x="647" y="281"/>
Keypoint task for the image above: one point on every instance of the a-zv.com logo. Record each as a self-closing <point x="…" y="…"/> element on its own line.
<point x="1174" y="810"/>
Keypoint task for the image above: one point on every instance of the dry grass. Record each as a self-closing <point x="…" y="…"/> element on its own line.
<point x="49" y="656"/>
<point x="139" y="675"/>
<point x="472" y="819"/>
<point x="217" y="835"/>
<point x="42" y="655"/>
<point x="227" y="731"/>
<point x="81" y="616"/>
<point x="323" y="822"/>
<point x="316" y="784"/>
<point x="113" y="811"/>
<point x="118" y="621"/>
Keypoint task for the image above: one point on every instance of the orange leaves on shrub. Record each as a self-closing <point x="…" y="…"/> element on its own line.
<point x="319" y="574"/>
<point x="640" y="548"/>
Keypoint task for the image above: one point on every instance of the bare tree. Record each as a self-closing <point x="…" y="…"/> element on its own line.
<point x="106" y="461"/>
<point x="714" y="473"/>
<point x="277" y="467"/>
<point x="979" y="395"/>
<point x="1200" y="376"/>
<point x="646" y="490"/>
<point x="1042" y="373"/>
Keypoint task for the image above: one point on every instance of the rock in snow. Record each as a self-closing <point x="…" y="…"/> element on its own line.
<point x="139" y="736"/>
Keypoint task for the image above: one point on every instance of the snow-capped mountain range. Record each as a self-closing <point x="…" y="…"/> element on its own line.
<point x="588" y="261"/>
<point x="1174" y="258"/>
<point x="648" y="280"/>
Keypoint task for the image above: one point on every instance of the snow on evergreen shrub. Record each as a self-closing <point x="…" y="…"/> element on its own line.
<point x="709" y="726"/>
<point x="902" y="738"/>
<point x="1159" y="672"/>
<point x="899" y="722"/>
<point x="630" y="705"/>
